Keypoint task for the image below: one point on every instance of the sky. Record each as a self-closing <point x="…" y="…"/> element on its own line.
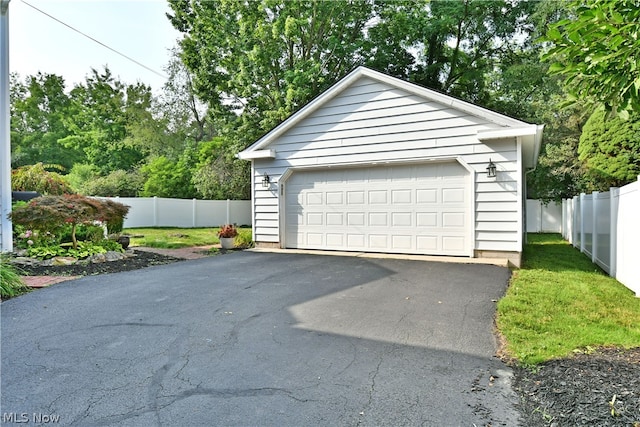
<point x="138" y="29"/>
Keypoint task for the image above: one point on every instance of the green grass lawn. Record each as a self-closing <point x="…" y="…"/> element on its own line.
<point x="173" y="238"/>
<point x="559" y="302"/>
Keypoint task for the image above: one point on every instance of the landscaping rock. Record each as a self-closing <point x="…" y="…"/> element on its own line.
<point x="62" y="260"/>
<point x="114" y="256"/>
<point x="23" y="260"/>
<point x="98" y="258"/>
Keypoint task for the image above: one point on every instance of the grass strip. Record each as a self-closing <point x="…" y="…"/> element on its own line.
<point x="175" y="238"/>
<point x="560" y="302"/>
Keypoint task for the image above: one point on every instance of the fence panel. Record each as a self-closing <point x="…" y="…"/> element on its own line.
<point x="628" y="237"/>
<point x="165" y="212"/>
<point x="605" y="226"/>
<point x="602" y="230"/>
<point x="587" y="224"/>
<point x="543" y="218"/>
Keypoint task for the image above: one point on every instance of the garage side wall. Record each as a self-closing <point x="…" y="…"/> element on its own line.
<point x="374" y="123"/>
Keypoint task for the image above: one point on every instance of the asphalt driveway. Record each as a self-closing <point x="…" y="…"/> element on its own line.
<point x="261" y="339"/>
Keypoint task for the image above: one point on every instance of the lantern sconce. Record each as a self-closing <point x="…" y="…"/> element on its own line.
<point x="266" y="181"/>
<point x="491" y="169"/>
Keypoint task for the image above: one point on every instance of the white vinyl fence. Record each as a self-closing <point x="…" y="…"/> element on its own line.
<point x="606" y="227"/>
<point x="543" y="218"/>
<point x="163" y="212"/>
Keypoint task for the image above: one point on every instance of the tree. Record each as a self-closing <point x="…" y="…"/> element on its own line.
<point x="102" y="109"/>
<point x="39" y="108"/>
<point x="597" y="51"/>
<point x="450" y="46"/>
<point x="166" y="178"/>
<point x="610" y="148"/>
<point x="219" y="174"/>
<point x="266" y="58"/>
<point x="51" y="213"/>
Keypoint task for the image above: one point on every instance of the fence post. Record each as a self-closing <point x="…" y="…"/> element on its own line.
<point x="227" y="212"/>
<point x="614" y="193"/>
<point x="594" y="226"/>
<point x="582" y="197"/>
<point x="155" y="211"/>
<point x="193" y="213"/>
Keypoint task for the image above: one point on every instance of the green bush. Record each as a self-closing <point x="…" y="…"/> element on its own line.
<point x="83" y="250"/>
<point x="50" y="214"/>
<point x="243" y="239"/>
<point x="117" y="183"/>
<point x="38" y="178"/>
<point x="11" y="284"/>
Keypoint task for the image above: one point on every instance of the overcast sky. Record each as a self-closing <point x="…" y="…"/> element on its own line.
<point x="138" y="29"/>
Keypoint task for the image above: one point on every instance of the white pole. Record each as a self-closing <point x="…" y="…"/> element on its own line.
<point x="6" y="227"/>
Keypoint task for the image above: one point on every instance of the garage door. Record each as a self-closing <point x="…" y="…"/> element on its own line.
<point x="416" y="209"/>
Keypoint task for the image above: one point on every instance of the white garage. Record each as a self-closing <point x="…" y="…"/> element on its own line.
<point x="421" y="208"/>
<point x="377" y="164"/>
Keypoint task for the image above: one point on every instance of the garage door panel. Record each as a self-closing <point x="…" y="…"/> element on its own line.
<point x="334" y="197"/>
<point x="401" y="243"/>
<point x="453" y="219"/>
<point x="401" y="219"/>
<point x="355" y="241"/>
<point x="401" y="196"/>
<point x="403" y="209"/>
<point x="314" y="198"/>
<point x="378" y="197"/>
<point x="427" y="219"/>
<point x="427" y="196"/>
<point x="335" y="240"/>
<point x="335" y="219"/>
<point x="314" y="218"/>
<point x="453" y="195"/>
<point x="355" y="219"/>
<point x="428" y="244"/>
<point x="315" y="239"/>
<point x="378" y="241"/>
<point x="355" y="197"/>
<point x="378" y="219"/>
<point x="453" y="243"/>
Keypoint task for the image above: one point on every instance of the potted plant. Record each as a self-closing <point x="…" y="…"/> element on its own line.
<point x="227" y="234"/>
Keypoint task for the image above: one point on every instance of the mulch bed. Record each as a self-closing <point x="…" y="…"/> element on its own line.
<point x="597" y="389"/>
<point x="140" y="259"/>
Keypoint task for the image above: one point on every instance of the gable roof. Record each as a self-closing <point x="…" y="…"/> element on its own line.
<point x="531" y="135"/>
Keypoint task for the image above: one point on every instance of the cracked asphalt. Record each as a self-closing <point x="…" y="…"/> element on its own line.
<point x="267" y="339"/>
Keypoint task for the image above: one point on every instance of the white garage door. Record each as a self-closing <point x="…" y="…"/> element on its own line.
<point x="416" y="209"/>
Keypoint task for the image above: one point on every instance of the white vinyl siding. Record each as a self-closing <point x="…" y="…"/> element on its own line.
<point x="371" y="123"/>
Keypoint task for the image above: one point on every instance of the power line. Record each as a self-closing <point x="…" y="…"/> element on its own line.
<point x="97" y="41"/>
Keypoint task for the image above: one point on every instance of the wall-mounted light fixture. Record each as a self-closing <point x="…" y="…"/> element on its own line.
<point x="266" y="181"/>
<point x="491" y="169"/>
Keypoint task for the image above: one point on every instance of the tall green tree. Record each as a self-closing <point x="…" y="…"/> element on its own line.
<point x="596" y="49"/>
<point x="450" y="46"/>
<point x="39" y="109"/>
<point x="102" y="108"/>
<point x="610" y="149"/>
<point x="266" y="58"/>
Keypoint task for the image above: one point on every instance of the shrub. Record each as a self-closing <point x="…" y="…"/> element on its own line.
<point x="52" y="213"/>
<point x="37" y="178"/>
<point x="117" y="183"/>
<point x="244" y="240"/>
<point x="10" y="282"/>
